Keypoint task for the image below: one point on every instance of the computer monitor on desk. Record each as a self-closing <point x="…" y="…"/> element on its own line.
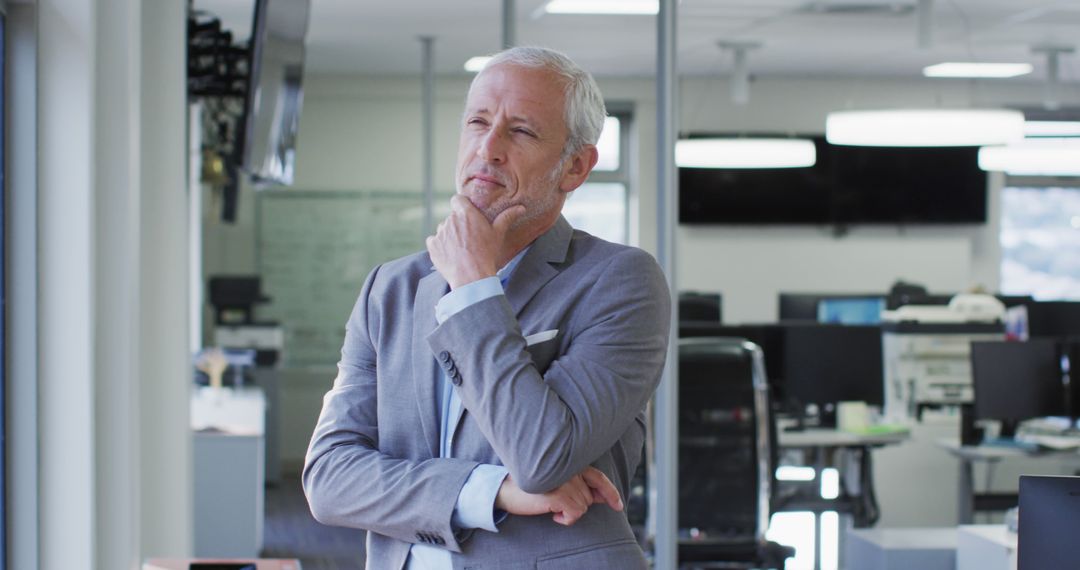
<point x="1054" y="319"/>
<point x="808" y="306"/>
<point x="850" y="310"/>
<point x="1016" y="381"/>
<point x="700" y="307"/>
<point x="826" y="364"/>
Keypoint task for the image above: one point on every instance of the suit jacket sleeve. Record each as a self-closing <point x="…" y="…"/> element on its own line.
<point x="348" y="481"/>
<point x="547" y="428"/>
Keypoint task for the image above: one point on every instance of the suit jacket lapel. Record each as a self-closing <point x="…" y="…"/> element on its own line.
<point x="428" y="293"/>
<point x="535" y="269"/>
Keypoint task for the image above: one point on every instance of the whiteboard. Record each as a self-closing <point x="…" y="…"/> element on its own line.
<point x="315" y="248"/>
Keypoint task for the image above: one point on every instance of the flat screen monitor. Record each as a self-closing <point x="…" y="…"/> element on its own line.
<point x="807" y="306"/>
<point x="825" y="364"/>
<point x="1049" y="522"/>
<point x="798" y="306"/>
<point x="847" y="185"/>
<point x="1054" y="318"/>
<point x="704" y="307"/>
<point x="275" y="95"/>
<point x="851" y="311"/>
<point x="1015" y="381"/>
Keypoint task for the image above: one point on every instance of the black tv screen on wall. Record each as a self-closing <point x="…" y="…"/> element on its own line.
<point x="847" y="185"/>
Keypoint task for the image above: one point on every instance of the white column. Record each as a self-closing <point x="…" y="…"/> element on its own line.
<point x="114" y="210"/>
<point x="165" y="363"/>
<point x="66" y="191"/>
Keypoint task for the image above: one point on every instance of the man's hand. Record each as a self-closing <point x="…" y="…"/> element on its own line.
<point x="467" y="247"/>
<point x="569" y="502"/>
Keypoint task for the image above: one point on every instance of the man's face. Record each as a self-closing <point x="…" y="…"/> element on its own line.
<point x="511" y="144"/>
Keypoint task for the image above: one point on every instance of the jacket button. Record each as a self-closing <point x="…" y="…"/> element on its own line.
<point x="439" y="540"/>
<point x="444" y="356"/>
<point x="455" y="378"/>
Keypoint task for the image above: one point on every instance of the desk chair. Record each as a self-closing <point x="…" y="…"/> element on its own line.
<point x="727" y="456"/>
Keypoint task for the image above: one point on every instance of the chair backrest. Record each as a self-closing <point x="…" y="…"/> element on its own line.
<point x="726" y="439"/>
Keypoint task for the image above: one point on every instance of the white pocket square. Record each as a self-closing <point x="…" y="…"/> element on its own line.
<point x="540" y="337"/>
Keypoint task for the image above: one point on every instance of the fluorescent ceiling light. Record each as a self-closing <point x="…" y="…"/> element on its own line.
<point x="624" y="7"/>
<point x="745" y="153"/>
<point x="924" y="127"/>
<point x="1052" y="129"/>
<point x="1034" y="157"/>
<point x="971" y="69"/>
<point x="475" y="64"/>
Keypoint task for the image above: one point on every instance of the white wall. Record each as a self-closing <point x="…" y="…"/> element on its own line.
<point x="364" y="133"/>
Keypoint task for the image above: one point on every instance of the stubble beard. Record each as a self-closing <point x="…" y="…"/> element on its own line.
<point x="536" y="207"/>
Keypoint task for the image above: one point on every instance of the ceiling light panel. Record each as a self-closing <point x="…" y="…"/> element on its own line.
<point x="924" y="127"/>
<point x="745" y="153"/>
<point x="1034" y="157"/>
<point x="977" y="69"/>
<point x="609" y="7"/>
<point x="1052" y="129"/>
<point x="475" y="64"/>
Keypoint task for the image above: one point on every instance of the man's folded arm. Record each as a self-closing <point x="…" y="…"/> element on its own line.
<point x="349" y="482"/>
<point x="547" y="428"/>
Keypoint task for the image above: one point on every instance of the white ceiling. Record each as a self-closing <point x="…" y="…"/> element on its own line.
<point x="381" y="37"/>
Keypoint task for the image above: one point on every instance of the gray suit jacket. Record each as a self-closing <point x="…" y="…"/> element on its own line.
<point x="545" y="411"/>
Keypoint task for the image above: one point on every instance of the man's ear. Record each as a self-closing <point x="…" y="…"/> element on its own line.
<point x="581" y="164"/>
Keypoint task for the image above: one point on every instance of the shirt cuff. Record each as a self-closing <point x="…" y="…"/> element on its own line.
<point x="462" y="297"/>
<point x="476" y="502"/>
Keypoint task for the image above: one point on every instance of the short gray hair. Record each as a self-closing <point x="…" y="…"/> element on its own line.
<point x="585" y="109"/>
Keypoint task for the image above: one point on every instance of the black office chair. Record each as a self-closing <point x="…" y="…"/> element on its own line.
<point x="727" y="456"/>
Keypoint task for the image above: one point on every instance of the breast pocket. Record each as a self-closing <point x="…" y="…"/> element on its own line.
<point x="543" y="352"/>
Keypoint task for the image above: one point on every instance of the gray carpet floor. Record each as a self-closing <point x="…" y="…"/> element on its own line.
<point x="289" y="531"/>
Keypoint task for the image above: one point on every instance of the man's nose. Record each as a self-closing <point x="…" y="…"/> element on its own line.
<point x="493" y="146"/>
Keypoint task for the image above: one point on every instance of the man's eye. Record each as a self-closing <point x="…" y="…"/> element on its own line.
<point x="526" y="132"/>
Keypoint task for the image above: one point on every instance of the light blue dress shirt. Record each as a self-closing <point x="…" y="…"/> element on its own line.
<point x="475" y="506"/>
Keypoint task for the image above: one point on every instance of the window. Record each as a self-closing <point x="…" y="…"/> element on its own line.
<point x="600" y="206"/>
<point x="1040" y="242"/>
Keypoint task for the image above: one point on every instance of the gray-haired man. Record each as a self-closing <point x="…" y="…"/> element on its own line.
<point x="489" y="406"/>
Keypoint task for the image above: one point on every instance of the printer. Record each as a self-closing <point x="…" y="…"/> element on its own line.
<point x="927" y="352"/>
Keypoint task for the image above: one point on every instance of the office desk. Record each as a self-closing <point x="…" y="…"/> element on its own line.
<point x="849" y="453"/>
<point x="831" y="438"/>
<point x="968" y="500"/>
<point x="985" y="547"/>
<point x="228" y="455"/>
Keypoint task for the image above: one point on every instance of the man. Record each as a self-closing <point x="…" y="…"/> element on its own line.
<point x="489" y="406"/>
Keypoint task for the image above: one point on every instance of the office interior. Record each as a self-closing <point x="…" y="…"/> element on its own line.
<point x="112" y="234"/>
